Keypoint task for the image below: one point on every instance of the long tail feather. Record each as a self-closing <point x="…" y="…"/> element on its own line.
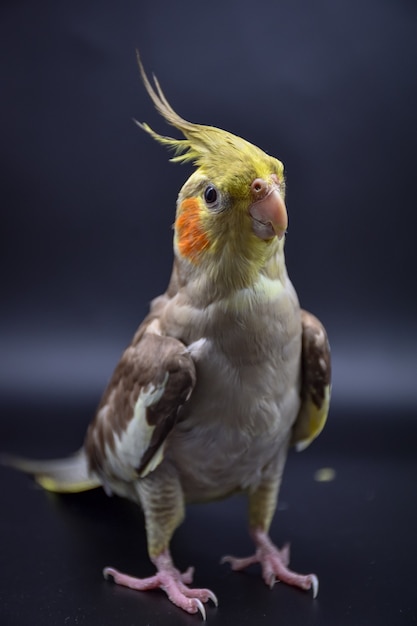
<point x="69" y="475"/>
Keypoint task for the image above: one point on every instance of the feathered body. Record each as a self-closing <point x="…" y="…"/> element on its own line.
<point x="223" y="374"/>
<point x="235" y="427"/>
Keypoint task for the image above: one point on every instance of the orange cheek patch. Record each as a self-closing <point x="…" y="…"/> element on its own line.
<point x="191" y="237"/>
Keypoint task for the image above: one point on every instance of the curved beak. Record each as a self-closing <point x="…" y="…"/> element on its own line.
<point x="268" y="210"/>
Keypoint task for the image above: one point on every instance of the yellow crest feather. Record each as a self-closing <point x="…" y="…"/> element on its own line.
<point x="207" y="147"/>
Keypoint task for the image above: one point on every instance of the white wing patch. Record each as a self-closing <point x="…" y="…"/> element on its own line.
<point x="154" y="327"/>
<point x="129" y="448"/>
<point x="197" y="348"/>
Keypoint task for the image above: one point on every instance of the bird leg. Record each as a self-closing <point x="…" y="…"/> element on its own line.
<point x="171" y="581"/>
<point x="162" y="501"/>
<point x="274" y="563"/>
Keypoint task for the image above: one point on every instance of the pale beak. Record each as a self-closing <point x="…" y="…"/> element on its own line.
<point x="268" y="211"/>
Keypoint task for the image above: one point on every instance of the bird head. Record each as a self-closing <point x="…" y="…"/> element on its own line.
<point x="231" y="217"/>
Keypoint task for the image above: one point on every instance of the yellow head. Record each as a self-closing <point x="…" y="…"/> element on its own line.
<point x="231" y="217"/>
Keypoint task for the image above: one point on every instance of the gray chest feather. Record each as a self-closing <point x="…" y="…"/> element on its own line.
<point x="237" y="423"/>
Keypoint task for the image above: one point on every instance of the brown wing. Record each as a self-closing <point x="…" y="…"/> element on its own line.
<point x="315" y="384"/>
<point x="153" y="379"/>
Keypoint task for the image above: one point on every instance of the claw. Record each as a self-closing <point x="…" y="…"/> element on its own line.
<point x="200" y="607"/>
<point x="272" y="581"/>
<point x="108" y="571"/>
<point x="314" y="585"/>
<point x="213" y="597"/>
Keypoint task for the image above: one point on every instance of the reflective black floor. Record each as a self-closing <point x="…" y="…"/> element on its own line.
<point x="356" y="532"/>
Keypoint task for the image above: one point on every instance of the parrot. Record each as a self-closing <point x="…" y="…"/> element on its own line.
<point x="223" y="376"/>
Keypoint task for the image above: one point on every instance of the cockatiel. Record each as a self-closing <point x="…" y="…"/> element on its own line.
<point x="222" y="376"/>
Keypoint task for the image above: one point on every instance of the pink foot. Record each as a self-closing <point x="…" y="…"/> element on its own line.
<point x="274" y="564"/>
<point x="170" y="580"/>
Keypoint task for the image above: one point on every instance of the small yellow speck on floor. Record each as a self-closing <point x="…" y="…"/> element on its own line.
<point x="325" y="474"/>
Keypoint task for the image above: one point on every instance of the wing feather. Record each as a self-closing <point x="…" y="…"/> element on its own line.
<point x="152" y="381"/>
<point x="316" y="382"/>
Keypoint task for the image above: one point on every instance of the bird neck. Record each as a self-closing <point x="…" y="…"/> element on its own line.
<point x="234" y="282"/>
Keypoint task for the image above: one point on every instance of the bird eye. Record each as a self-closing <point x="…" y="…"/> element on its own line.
<point x="210" y="195"/>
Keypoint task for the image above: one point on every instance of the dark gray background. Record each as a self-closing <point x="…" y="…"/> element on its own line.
<point x="88" y="200"/>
